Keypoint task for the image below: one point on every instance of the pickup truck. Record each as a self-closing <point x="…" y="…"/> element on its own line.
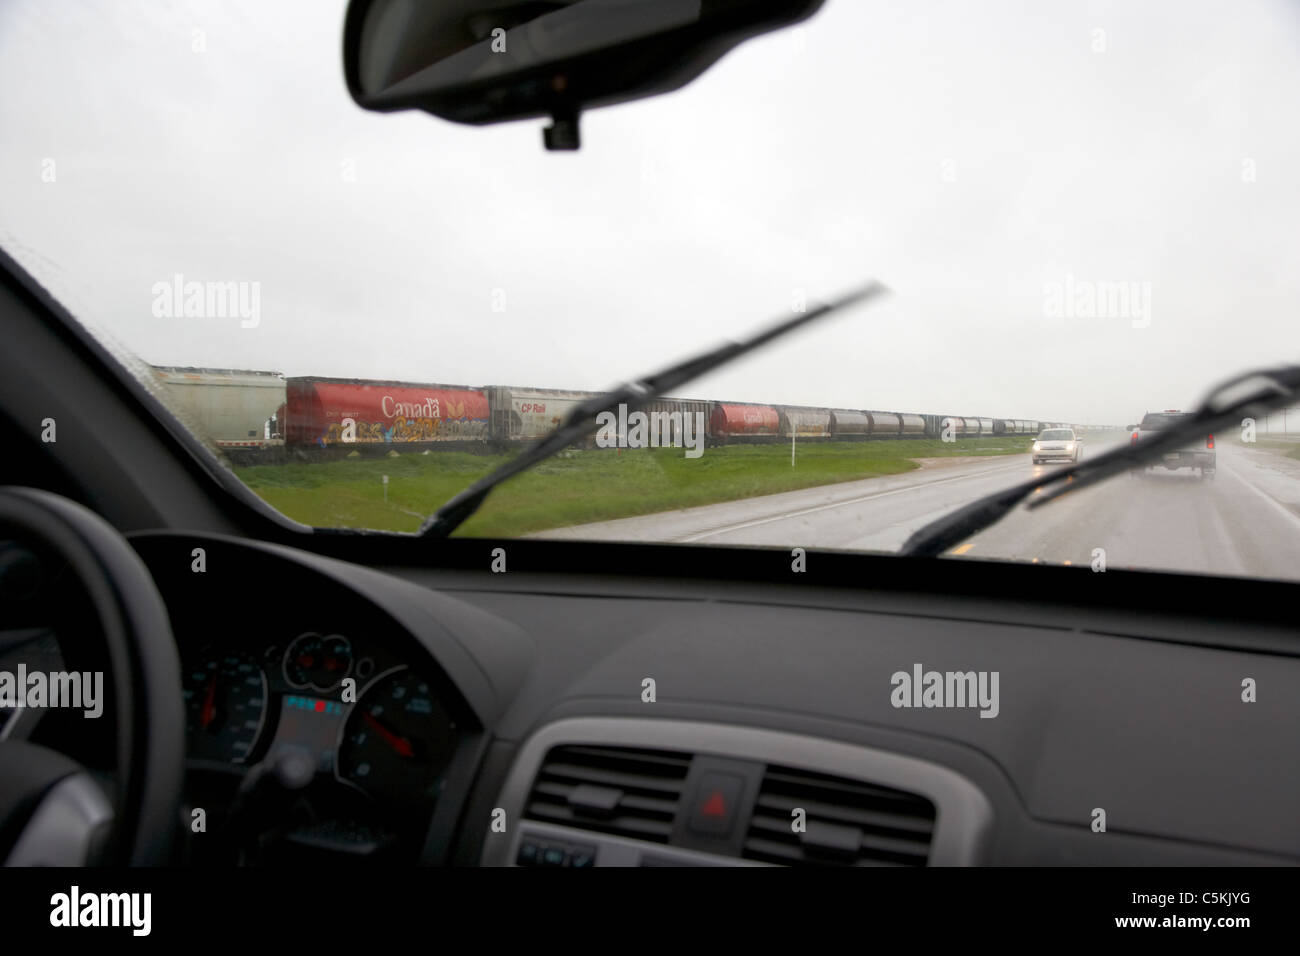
<point x="1199" y="456"/>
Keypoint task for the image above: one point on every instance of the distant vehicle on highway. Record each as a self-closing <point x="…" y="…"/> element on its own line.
<point x="1057" y="443"/>
<point x="1199" y="456"/>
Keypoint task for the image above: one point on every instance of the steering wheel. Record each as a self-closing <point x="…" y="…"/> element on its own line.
<point x="52" y="812"/>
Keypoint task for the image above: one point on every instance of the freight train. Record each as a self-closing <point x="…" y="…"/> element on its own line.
<point x="234" y="409"/>
<point x="264" y="416"/>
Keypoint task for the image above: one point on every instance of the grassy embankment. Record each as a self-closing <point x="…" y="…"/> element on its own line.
<point x="582" y="485"/>
<point x="1291" y="449"/>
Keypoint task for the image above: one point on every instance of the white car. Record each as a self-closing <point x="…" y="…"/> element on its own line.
<point x="1058" y="443"/>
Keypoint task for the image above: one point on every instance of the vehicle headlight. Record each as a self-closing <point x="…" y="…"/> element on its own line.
<point x="1036" y="446"/>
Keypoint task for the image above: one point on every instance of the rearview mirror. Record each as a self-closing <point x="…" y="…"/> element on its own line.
<point x="490" y="61"/>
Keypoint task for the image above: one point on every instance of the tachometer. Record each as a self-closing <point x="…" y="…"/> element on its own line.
<point x="225" y="705"/>
<point x="397" y="740"/>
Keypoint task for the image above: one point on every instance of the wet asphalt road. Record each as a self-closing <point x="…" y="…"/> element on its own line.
<point x="1246" y="521"/>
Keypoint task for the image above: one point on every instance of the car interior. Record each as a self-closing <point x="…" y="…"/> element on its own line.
<point x="576" y="704"/>
<point x="587" y="702"/>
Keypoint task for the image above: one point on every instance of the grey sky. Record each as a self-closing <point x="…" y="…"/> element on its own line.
<point x="967" y="155"/>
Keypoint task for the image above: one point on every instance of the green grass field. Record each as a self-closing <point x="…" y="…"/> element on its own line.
<point x="1289" y="448"/>
<point x="581" y="485"/>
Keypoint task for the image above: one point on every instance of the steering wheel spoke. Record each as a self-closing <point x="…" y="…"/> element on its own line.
<point x="20" y="723"/>
<point x="54" y="812"/>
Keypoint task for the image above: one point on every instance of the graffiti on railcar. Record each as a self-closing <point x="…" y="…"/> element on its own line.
<point x="408" y="430"/>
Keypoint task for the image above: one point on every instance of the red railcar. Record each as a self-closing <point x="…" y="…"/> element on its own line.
<point x="743" y="421"/>
<point x="329" y="411"/>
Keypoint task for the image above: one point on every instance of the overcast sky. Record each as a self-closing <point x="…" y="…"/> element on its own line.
<point x="975" y="157"/>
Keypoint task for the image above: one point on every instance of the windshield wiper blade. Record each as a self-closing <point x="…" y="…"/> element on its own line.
<point x="581" y="420"/>
<point x="1278" y="387"/>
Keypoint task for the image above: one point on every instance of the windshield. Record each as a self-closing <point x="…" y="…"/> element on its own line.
<point x="363" y="314"/>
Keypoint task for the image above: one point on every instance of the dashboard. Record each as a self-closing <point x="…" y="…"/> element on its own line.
<point x="339" y="712"/>
<point x="577" y="721"/>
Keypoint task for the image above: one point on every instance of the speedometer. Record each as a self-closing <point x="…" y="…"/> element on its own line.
<point x="397" y="740"/>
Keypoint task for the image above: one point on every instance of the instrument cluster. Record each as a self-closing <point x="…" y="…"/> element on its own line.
<point x="367" y="720"/>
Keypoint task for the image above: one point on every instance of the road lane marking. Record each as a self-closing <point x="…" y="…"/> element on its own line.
<point x="962" y="548"/>
<point x="725" y="529"/>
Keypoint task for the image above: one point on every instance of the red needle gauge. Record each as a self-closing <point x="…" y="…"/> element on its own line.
<point x="210" y="703"/>
<point x="399" y="744"/>
<point x="225" y="703"/>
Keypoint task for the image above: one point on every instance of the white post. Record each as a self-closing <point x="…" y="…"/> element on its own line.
<point x="793" y="432"/>
<point x="385" y="489"/>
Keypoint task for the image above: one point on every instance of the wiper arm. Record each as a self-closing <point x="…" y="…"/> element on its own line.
<point x="581" y="420"/>
<point x="1277" y="387"/>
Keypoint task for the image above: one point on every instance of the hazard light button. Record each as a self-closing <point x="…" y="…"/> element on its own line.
<point x="717" y="804"/>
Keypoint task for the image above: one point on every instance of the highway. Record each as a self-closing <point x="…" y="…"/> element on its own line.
<point x="1244" y="522"/>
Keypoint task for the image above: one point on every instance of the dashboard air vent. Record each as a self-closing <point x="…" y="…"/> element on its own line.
<point x="848" y="823"/>
<point x="621" y="790"/>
